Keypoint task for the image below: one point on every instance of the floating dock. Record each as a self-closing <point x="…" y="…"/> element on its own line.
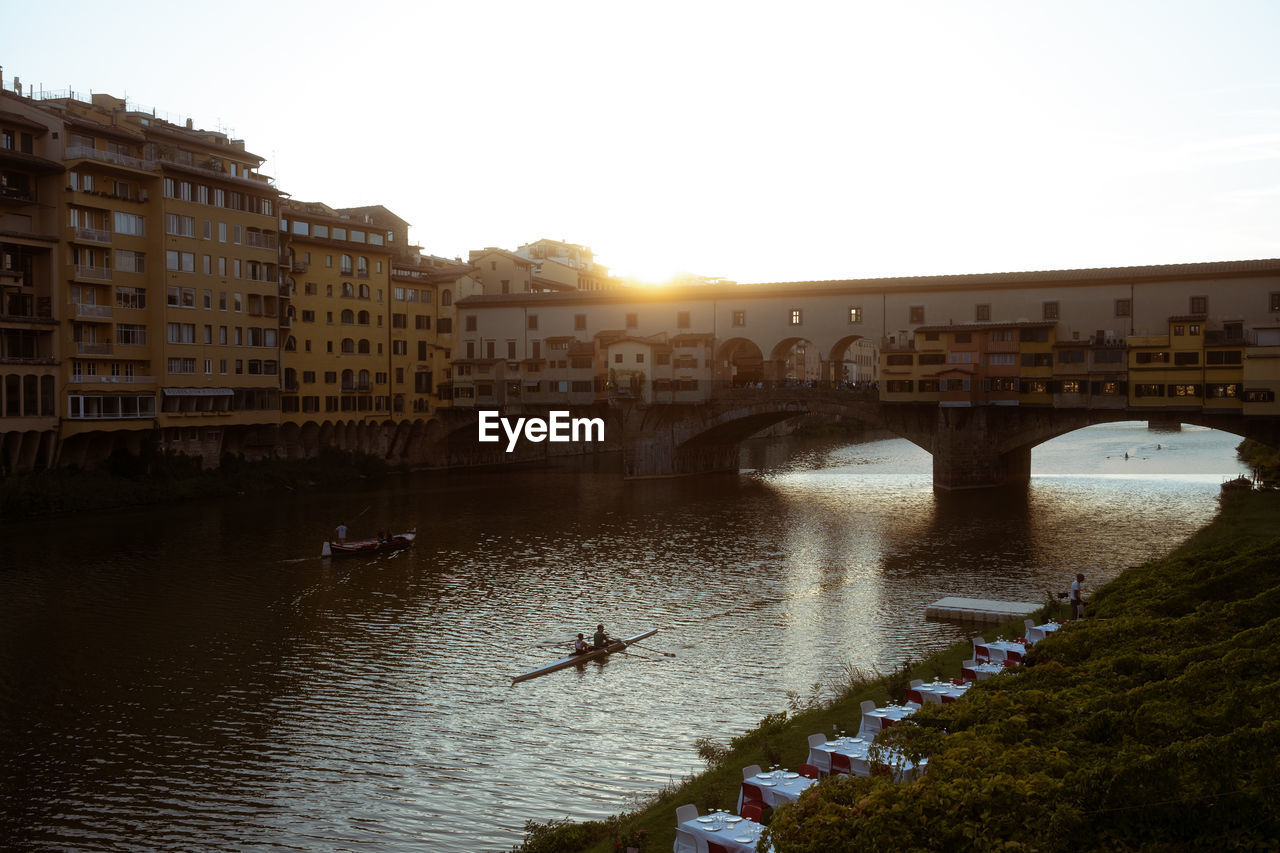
<point x="979" y="609"/>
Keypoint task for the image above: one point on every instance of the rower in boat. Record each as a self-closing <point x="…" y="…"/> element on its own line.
<point x="600" y="640"/>
<point x="580" y="646"/>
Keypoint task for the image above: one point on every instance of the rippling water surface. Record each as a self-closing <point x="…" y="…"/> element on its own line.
<point x="194" y="677"/>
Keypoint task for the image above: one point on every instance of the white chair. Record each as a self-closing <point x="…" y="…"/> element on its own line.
<point x="1028" y="624"/>
<point x="917" y="682"/>
<point x="750" y="770"/>
<point x="817" y="740"/>
<point x="868" y="706"/>
<point x="686" y="813"/>
<point x="686" y="843"/>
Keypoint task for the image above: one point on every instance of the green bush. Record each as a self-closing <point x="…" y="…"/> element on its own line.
<point x="1155" y="726"/>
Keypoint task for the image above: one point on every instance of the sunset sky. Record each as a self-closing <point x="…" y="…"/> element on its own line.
<point x="760" y="142"/>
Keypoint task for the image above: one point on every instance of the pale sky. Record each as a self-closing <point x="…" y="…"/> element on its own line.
<point x="756" y="141"/>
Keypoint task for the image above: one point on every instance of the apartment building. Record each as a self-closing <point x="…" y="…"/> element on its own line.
<point x="566" y="264"/>
<point x="31" y="181"/>
<point x="338" y="353"/>
<point x="158" y="246"/>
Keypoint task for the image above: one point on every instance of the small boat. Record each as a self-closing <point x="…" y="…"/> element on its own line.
<point x="360" y="547"/>
<point x="1239" y="484"/>
<point x="574" y="660"/>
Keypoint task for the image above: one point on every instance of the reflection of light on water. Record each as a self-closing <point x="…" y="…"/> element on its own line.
<point x="825" y="554"/>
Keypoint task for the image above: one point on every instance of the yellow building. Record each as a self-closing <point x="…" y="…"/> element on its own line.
<point x="31" y="184"/>
<point x="166" y="275"/>
<point x="338" y="354"/>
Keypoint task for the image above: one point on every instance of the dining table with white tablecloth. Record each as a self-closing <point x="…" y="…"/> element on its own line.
<point x="1036" y="633"/>
<point x="876" y="721"/>
<point x="856" y="749"/>
<point x="986" y="670"/>
<point x="776" y="787"/>
<point x="1002" y="649"/>
<point x="736" y="834"/>
<point x="936" y="690"/>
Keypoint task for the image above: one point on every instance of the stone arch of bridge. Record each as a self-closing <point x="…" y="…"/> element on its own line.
<point x="1048" y="424"/>
<point x="837" y="356"/>
<point x="739" y="362"/>
<point x="795" y="358"/>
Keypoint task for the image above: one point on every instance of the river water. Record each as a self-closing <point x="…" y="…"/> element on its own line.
<point x="196" y="677"/>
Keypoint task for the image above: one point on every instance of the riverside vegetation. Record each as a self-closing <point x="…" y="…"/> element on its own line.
<point x="1152" y="725"/>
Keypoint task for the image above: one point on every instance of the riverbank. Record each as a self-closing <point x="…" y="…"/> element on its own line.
<point x="1154" y="722"/>
<point x="158" y="478"/>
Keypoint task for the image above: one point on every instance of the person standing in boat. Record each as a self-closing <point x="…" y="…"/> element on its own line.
<point x="580" y="646"/>
<point x="600" y="640"/>
<point x="341" y="530"/>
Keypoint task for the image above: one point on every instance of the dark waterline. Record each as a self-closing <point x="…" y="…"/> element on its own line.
<point x="195" y="677"/>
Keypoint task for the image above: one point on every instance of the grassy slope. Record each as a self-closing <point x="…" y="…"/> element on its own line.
<point x="1150" y="716"/>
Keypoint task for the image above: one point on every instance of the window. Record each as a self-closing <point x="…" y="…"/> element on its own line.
<point x="532" y="322"/>
<point x="916" y="314"/>
<point x="1071" y="356"/>
<point x="1003" y="359"/>
<point x="982" y="313"/>
<point x="126" y="261"/>
<point x="617" y="358"/>
<point x="1124" y="308"/>
<point x="1199" y="305"/>
<point x="1275" y="302"/>
<point x="855" y="314"/>
<point x="632" y="321"/>
<point x="1259" y="395"/>
<point x="1147" y="389"/>
<point x="180" y="261"/>
<point x="1051" y="310"/>
<point x="1219" y="357"/>
<point x="1194" y="329"/>
<point x="739" y="318"/>
<point x="796" y="316"/>
<point x="1151" y="358"/>
<point x="131" y="297"/>
<point x="179" y="226"/>
<point x="446" y="298"/>
<point x="130" y="223"/>
<point x="682" y="320"/>
<point x="1186" y="358"/>
<point x="579" y="322"/>
<point x="1184" y="390"/>
<point x="469" y="322"/>
<point x="964" y="337"/>
<point x="130" y="334"/>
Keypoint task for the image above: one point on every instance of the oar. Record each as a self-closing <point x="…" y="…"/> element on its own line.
<point x="655" y="651"/>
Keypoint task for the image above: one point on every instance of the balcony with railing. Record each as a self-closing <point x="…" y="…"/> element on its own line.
<point x="93" y="235"/>
<point x="92" y="312"/>
<point x="81" y="152"/>
<point x="94" y="273"/>
<point x="86" y="348"/>
<point x="259" y="240"/>
<point x="356" y="387"/>
<point x="112" y="380"/>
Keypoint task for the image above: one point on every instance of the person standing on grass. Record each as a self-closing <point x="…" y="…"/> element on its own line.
<point x="1077" y="597"/>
